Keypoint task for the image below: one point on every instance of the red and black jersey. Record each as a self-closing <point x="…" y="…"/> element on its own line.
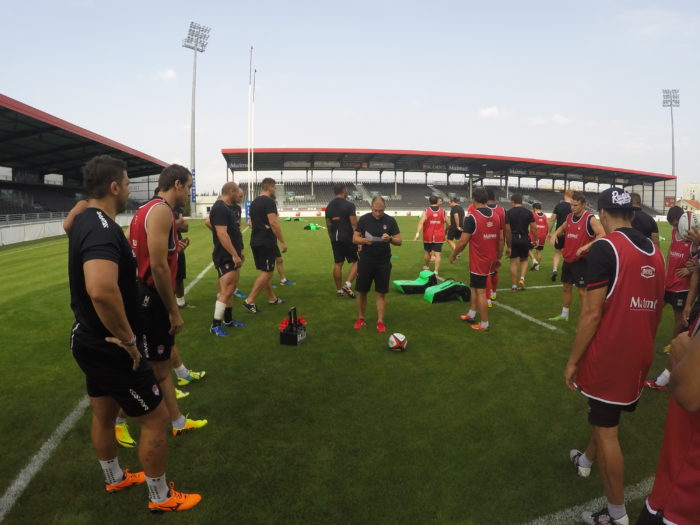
<point x="434" y="225"/>
<point x="501" y="214"/>
<point x="578" y="233"/>
<point x="139" y="242"/>
<point x="616" y="362"/>
<point x="485" y="229"/>
<point x="542" y="228"/>
<point x="678" y="255"/>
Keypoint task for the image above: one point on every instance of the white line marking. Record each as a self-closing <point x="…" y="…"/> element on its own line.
<point x="532" y="287"/>
<point x="20" y="483"/>
<point x="198" y="278"/>
<point x="573" y="514"/>
<point x="529" y="318"/>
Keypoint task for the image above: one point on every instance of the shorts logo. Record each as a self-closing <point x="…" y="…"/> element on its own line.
<point x="384" y="226"/>
<point x="226" y="266"/>
<point x="160" y="349"/>
<point x="648" y="272"/>
<point x="146" y="300"/>
<point x="139" y="400"/>
<point x="156" y="390"/>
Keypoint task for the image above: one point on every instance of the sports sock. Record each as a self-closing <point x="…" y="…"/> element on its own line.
<point x="157" y="488"/>
<point x="584" y="462"/>
<point x="348" y="284"/>
<point x="228" y="315"/>
<point x="219" y="309"/>
<point x="120" y="420"/>
<point x="112" y="471"/>
<point x="522" y="277"/>
<point x="181" y="371"/>
<point x="484" y="324"/>
<point x="664" y="378"/>
<point x="283" y="280"/>
<point x="565" y="312"/>
<point x="472" y="313"/>
<point x="341" y="291"/>
<point x="180" y="300"/>
<point x="616" y="511"/>
<point x="179" y="422"/>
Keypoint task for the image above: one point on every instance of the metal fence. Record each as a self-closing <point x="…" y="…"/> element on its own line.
<point x="18" y="218"/>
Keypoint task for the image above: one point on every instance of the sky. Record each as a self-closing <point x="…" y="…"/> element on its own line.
<point x="556" y="80"/>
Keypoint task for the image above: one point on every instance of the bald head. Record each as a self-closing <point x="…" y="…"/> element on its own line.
<point x="229" y="192"/>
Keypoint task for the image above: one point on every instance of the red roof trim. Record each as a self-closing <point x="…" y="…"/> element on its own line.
<point x="29" y="111"/>
<point x="444" y="154"/>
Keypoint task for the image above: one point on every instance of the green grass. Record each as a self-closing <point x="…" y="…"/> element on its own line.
<point x="464" y="427"/>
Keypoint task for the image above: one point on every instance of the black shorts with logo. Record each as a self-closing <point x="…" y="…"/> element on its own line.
<point x="453" y="234"/>
<point x="559" y="244"/>
<point x="181" y="267"/>
<point x="477" y="281"/>
<point x="225" y="265"/>
<point x="108" y="372"/>
<point x="676" y="299"/>
<point x="157" y="342"/>
<point x="369" y="271"/>
<point x="574" y="273"/>
<point x="344" y="251"/>
<point x="265" y="257"/>
<point x="432" y="246"/>
<point x="520" y="246"/>
<point x="602" y="414"/>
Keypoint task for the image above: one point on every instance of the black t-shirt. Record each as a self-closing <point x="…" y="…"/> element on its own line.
<point x="179" y="211"/>
<point x="469" y="225"/>
<point x="519" y="219"/>
<point x="602" y="261"/>
<point x="644" y="223"/>
<point x="339" y="211"/>
<point x="459" y="211"/>
<point x="261" y="234"/>
<point x="229" y="216"/>
<point x="367" y="225"/>
<point x="562" y="211"/>
<point x="95" y="236"/>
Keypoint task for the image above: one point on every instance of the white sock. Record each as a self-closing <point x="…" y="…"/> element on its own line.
<point x="472" y="314"/>
<point x="120" y="420"/>
<point x="584" y="462"/>
<point x="348" y="284"/>
<point x="157" y="489"/>
<point x="180" y="300"/>
<point x="663" y="378"/>
<point x="112" y="471"/>
<point x="616" y="511"/>
<point x="522" y="277"/>
<point x="340" y="291"/>
<point x="565" y="312"/>
<point x="182" y="371"/>
<point x="484" y="324"/>
<point x="179" y="422"/>
<point x="219" y="309"/>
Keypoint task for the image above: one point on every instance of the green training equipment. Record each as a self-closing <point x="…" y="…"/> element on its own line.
<point x="425" y="278"/>
<point x="448" y="290"/>
<point x="314" y="226"/>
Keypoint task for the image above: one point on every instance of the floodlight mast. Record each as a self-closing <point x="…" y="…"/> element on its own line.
<point x="251" y="77"/>
<point x="671" y="99"/>
<point x="196" y="40"/>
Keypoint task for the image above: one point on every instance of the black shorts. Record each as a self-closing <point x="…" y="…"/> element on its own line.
<point x="477" y="281"/>
<point x="108" y="372"/>
<point x="520" y="246"/>
<point x="559" y="244"/>
<point x="647" y="518"/>
<point x="453" y="234"/>
<point x="265" y="257"/>
<point x="539" y="247"/>
<point x="181" y="267"/>
<point x="675" y="299"/>
<point x="157" y="342"/>
<point x="602" y="414"/>
<point x="432" y="246"/>
<point x="371" y="271"/>
<point x="224" y="266"/>
<point x="574" y="273"/>
<point x="344" y="251"/>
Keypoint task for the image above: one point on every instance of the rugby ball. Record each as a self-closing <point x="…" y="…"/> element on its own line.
<point x="688" y="220"/>
<point x="397" y="342"/>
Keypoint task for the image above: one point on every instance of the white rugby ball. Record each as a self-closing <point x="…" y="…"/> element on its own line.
<point x="397" y="342"/>
<point x="689" y="220"/>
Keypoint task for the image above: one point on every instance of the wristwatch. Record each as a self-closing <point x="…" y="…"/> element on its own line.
<point x="130" y="342"/>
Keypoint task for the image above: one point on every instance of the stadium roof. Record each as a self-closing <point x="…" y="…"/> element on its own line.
<point x="32" y="139"/>
<point x="278" y="159"/>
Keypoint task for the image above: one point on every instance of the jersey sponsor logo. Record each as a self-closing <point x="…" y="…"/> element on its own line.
<point x="489" y="224"/>
<point x="676" y="254"/>
<point x="489" y="236"/>
<point x="641" y="303"/>
<point x="648" y="272"/>
<point x="572" y="235"/>
<point x="104" y="222"/>
<point x="621" y="198"/>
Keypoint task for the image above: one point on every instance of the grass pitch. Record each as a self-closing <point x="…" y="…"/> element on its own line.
<point x="464" y="427"/>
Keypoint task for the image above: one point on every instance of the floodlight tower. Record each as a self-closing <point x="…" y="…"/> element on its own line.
<point x="672" y="99"/>
<point x="196" y="40"/>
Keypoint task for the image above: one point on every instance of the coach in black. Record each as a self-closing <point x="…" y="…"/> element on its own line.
<point x="454" y="232"/>
<point x="266" y="231"/>
<point x="374" y="234"/>
<point x="341" y="219"/>
<point x="643" y="222"/>
<point x="558" y="217"/>
<point x="104" y="299"/>
<point x="520" y="220"/>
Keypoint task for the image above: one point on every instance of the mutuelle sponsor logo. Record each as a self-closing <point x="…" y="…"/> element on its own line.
<point x="642" y="303"/>
<point x="489" y="236"/>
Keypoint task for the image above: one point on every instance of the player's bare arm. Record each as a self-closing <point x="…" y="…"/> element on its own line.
<point x="692" y="294"/>
<point x="461" y="244"/>
<point x="558" y="233"/>
<point x="357" y="238"/>
<point x="685" y="371"/>
<point x="455" y="217"/>
<point x="598" y="231"/>
<point x="158" y="231"/>
<point x="275" y="227"/>
<point x="225" y="240"/>
<point x="76" y="210"/>
<point x="207" y="223"/>
<point x="419" y="228"/>
<point x="591" y="314"/>
<point x="101" y="284"/>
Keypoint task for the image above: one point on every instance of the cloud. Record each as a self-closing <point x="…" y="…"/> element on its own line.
<point x="166" y="75"/>
<point x="560" y="119"/>
<point x="656" y="22"/>
<point x="638" y="146"/>
<point x="537" y="120"/>
<point x="492" y="112"/>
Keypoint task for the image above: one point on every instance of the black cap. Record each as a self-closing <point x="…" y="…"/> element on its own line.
<point x="615" y="199"/>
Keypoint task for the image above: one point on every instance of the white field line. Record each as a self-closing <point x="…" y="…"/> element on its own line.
<point x="35" y="464"/>
<point x="23" y="479"/>
<point x="573" y="514"/>
<point x="525" y="316"/>
<point x="532" y="287"/>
